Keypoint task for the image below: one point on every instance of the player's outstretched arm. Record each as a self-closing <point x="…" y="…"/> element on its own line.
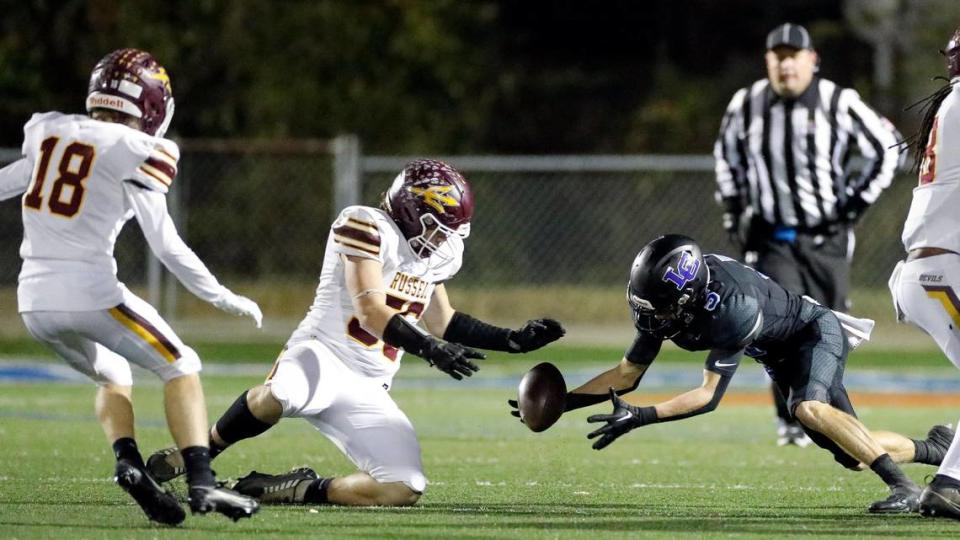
<point x="14" y="178"/>
<point x="364" y="281"/>
<point x="150" y="209"/>
<point x="626" y="416"/>
<point x="458" y="327"/>
<point x="623" y="379"/>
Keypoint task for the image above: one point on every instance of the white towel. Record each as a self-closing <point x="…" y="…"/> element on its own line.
<point x="855" y="329"/>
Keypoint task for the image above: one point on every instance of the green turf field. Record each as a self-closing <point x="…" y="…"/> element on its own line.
<point x="713" y="476"/>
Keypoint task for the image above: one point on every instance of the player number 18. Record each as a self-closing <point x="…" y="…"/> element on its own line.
<point x="73" y="169"/>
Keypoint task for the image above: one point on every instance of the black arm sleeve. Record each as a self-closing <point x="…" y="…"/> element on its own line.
<point x="401" y="333"/>
<point x="644" y="349"/>
<point x="466" y="330"/>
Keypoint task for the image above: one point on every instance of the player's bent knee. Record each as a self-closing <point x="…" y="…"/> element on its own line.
<point x="811" y="413"/>
<point x="264" y="406"/>
<point x="397" y="494"/>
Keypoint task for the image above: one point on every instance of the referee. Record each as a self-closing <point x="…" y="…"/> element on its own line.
<point x="789" y="198"/>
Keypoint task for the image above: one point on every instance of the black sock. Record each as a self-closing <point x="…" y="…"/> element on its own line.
<point x="317" y="491"/>
<point x="196" y="459"/>
<point x="927" y="451"/>
<point x="890" y="472"/>
<point x="923" y="452"/>
<point x="126" y="448"/>
<point x="236" y="424"/>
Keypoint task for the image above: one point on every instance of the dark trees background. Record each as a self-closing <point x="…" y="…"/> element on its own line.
<point x="446" y="76"/>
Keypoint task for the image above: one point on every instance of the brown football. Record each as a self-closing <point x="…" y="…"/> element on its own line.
<point x="542" y="396"/>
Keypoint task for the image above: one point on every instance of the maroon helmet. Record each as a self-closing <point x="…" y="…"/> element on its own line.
<point x="429" y="201"/>
<point x="952" y="53"/>
<point x="131" y="81"/>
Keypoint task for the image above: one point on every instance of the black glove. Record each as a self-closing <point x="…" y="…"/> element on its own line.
<point x="451" y="358"/>
<point x="535" y="334"/>
<point x="516" y="408"/>
<point x="625" y="417"/>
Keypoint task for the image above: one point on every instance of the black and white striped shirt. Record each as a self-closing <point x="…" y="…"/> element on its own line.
<point x="788" y="159"/>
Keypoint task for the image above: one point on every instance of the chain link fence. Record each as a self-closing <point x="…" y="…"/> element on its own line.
<point x="260" y="217"/>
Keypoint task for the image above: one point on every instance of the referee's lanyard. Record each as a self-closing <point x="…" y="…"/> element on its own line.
<point x="785" y="234"/>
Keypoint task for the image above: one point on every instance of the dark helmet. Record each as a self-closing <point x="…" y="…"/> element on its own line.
<point x="952" y="54"/>
<point x="429" y="201"/>
<point x="667" y="277"/>
<point x="131" y="81"/>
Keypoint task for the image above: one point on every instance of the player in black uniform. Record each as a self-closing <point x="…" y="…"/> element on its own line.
<point x="716" y="304"/>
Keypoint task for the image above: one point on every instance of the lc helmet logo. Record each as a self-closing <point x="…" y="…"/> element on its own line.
<point x="436" y="197"/>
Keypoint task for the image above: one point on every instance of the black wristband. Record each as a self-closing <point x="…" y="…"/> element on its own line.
<point x="647" y="415"/>
<point x="466" y="330"/>
<point x="401" y="333"/>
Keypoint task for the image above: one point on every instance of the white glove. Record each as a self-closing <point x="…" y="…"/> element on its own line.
<point x="235" y="304"/>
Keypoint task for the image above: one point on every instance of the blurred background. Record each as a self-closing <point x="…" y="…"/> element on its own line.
<point x="584" y="127"/>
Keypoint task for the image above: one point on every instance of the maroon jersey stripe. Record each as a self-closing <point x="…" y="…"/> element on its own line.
<point x="162" y="166"/>
<point x="360" y="234"/>
<point x="152" y="330"/>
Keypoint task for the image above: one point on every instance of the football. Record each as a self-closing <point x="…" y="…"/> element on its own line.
<point x="542" y="396"/>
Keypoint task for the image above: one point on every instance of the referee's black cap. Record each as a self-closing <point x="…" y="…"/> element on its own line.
<point x="790" y="35"/>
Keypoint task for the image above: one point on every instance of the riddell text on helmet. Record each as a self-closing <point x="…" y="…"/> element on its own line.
<point x="106" y="101"/>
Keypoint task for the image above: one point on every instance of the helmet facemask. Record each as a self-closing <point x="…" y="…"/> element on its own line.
<point x="433" y="240"/>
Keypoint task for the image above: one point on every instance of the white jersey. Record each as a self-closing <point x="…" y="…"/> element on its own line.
<point x="81" y="180"/>
<point x="408" y="281"/>
<point x="934" y="218"/>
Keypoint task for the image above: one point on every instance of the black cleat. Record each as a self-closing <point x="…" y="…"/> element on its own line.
<point x="902" y="500"/>
<point x="157" y="504"/>
<point x="165" y="465"/>
<point x="941" y="499"/>
<point x="206" y="499"/>
<point x="277" y="489"/>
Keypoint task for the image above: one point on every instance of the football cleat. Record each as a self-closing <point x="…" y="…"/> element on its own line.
<point x="157" y="504"/>
<point x="277" y="489"/>
<point x="206" y="499"/>
<point x="941" y="498"/>
<point x="792" y="434"/>
<point x="902" y="500"/>
<point x="165" y="465"/>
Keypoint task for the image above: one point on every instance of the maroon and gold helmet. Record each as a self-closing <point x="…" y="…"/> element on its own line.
<point x="952" y="54"/>
<point x="131" y="81"/>
<point x="429" y="201"/>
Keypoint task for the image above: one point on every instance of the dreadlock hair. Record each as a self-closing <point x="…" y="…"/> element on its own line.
<point x="928" y="108"/>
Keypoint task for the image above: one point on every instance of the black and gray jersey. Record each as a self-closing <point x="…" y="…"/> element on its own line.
<point x="742" y="312"/>
<point x="787" y="159"/>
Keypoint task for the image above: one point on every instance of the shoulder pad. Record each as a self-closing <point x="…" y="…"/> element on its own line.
<point x="357" y="231"/>
<point x="738" y="321"/>
<point x="158" y="169"/>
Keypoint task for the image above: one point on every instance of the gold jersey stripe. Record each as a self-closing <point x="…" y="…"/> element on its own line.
<point x="139" y="330"/>
<point x="169" y="157"/>
<point x="362" y="225"/>
<point x="156" y="173"/>
<point x="362" y="246"/>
